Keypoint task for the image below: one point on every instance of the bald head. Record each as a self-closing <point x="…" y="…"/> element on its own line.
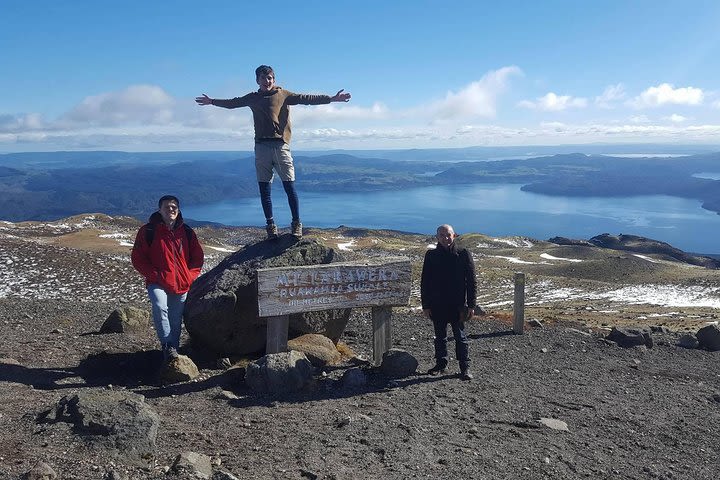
<point x="445" y="235"/>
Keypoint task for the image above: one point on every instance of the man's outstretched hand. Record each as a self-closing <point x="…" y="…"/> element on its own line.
<point x="205" y="100"/>
<point x="340" y="96"/>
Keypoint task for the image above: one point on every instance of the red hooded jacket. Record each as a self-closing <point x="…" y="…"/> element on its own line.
<point x="170" y="261"/>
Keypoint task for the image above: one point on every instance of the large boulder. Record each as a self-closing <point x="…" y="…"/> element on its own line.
<point x="631" y="337"/>
<point x="319" y="349"/>
<point x="221" y="311"/>
<point x="119" y="421"/>
<point x="709" y="337"/>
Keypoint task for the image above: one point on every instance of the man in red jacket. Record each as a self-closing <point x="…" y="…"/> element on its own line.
<point x="167" y="253"/>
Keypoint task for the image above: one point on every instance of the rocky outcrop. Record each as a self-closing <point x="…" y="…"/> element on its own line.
<point x="398" y="363"/>
<point x="180" y="369"/>
<point x="630" y="337"/>
<point x="319" y="349"/>
<point x="115" y="420"/>
<point x="569" y="241"/>
<point x="709" y="337"/>
<point x="127" y="319"/>
<point x="221" y="312"/>
<point x="634" y="243"/>
<point x="279" y="373"/>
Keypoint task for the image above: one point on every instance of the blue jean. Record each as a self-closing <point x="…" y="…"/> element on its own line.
<point x="167" y="309"/>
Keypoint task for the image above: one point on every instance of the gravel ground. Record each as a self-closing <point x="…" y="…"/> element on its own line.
<point x="630" y="413"/>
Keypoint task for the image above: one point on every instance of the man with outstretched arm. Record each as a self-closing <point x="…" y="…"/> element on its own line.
<point x="167" y="253"/>
<point x="270" y="106"/>
<point x="447" y="291"/>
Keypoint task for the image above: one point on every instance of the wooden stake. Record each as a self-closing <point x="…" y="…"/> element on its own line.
<point x="519" y="303"/>
<point x="381" y="332"/>
<point x="277" y="334"/>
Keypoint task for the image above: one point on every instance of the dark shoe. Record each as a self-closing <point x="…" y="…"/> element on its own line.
<point x="466" y="375"/>
<point x="296" y="229"/>
<point x="272" y="231"/>
<point x="172" y="353"/>
<point x="437" y="370"/>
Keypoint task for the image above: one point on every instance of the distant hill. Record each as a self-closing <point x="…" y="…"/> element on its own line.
<point x="46" y="186"/>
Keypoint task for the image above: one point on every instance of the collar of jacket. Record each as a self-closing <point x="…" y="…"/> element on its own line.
<point x="156" y="218"/>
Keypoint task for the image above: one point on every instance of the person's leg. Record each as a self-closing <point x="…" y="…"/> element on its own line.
<point x="266" y="200"/>
<point x="292" y="196"/>
<point x="176" y="305"/>
<point x="264" y="155"/>
<point x="461" y="344"/>
<point x="441" y="356"/>
<point x="283" y="163"/>
<point x="159" y="302"/>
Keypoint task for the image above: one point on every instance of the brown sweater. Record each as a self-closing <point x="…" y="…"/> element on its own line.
<point x="271" y="114"/>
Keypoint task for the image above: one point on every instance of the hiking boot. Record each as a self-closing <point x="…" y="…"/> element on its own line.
<point x="438" y="369"/>
<point x="466" y="375"/>
<point x="271" y="230"/>
<point x="296" y="229"/>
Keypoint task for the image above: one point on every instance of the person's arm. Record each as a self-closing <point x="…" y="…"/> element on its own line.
<point x="425" y="285"/>
<point x="225" y="103"/>
<point x="140" y="257"/>
<point x="197" y="256"/>
<point x="470" y="282"/>
<point x="306" y="99"/>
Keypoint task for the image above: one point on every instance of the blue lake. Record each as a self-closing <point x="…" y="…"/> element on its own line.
<point x="492" y="209"/>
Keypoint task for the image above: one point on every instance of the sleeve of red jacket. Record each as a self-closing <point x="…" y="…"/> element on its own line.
<point x="197" y="257"/>
<point x="141" y="257"/>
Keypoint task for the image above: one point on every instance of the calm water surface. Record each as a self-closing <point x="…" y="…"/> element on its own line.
<point x="493" y="209"/>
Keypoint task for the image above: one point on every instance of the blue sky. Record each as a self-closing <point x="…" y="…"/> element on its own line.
<point x="95" y="75"/>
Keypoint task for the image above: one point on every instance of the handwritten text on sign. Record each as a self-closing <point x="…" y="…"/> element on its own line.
<point x="373" y="282"/>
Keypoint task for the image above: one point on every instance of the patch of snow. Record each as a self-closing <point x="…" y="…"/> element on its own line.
<point x="666" y="295"/>
<point x="220" y="249"/>
<point x="518" y="243"/>
<point x="550" y="257"/>
<point x="644" y="257"/>
<point x="347" y="245"/>
<point x="128" y="244"/>
<point x="114" y="235"/>
<point x="513" y="259"/>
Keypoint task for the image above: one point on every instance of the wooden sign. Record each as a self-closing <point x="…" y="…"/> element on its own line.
<point x="372" y="282"/>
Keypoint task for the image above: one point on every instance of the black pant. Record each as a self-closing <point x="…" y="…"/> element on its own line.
<point x="440" y="318"/>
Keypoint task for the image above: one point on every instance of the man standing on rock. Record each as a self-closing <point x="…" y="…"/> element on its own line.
<point x="167" y="253"/>
<point x="270" y="107"/>
<point x="447" y="291"/>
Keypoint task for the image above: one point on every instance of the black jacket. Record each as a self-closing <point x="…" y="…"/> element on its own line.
<point x="448" y="278"/>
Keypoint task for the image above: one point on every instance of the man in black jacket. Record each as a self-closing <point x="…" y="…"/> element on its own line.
<point x="447" y="290"/>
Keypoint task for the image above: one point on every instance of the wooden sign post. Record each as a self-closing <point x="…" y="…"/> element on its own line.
<point x="379" y="283"/>
<point x="519" y="303"/>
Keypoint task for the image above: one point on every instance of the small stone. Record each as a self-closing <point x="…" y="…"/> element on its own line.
<point x="544" y="350"/>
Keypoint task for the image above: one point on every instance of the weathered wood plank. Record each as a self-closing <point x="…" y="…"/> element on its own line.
<point x="519" y="303"/>
<point x="367" y="283"/>
<point x="277" y="334"/>
<point x="382" y="340"/>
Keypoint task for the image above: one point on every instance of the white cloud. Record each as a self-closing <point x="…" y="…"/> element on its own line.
<point x="666" y="94"/>
<point x="716" y="104"/>
<point x="639" y="119"/>
<point x="135" y="105"/>
<point x="675" y="118"/>
<point x="611" y="95"/>
<point x="551" y="102"/>
<point x="476" y="100"/>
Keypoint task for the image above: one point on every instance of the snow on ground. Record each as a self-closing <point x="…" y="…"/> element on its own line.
<point x="666" y="295"/>
<point x="514" y="242"/>
<point x="550" y="257"/>
<point x="347" y="245"/>
<point x="114" y="235"/>
<point x="220" y="249"/>
<point x="644" y="257"/>
<point x="516" y="260"/>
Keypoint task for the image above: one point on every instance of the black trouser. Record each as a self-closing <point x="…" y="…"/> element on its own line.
<point x="440" y="318"/>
